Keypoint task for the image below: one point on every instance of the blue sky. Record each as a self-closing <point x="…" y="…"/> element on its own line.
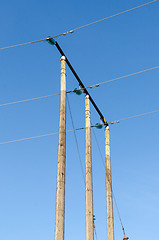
<point x="113" y="48"/>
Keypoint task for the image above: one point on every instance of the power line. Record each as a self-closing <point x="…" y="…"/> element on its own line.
<point x="30" y="99"/>
<point x="92" y="86"/>
<point x="78" y="28"/>
<point x="115" y="15"/>
<point x="27" y="43"/>
<point x="77" y="129"/>
<point x="139" y="115"/>
<point x="118" y="78"/>
<point x="23" y="139"/>
<point x="40" y="136"/>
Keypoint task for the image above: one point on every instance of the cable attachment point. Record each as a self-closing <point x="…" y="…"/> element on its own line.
<point x="115" y="122"/>
<point x="125" y="237"/>
<point x="78" y="91"/>
<point x="51" y="40"/>
<point x="99" y="125"/>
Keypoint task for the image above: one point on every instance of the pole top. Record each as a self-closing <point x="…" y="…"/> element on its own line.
<point x="107" y="127"/>
<point x="87" y="96"/>
<point x="63" y="58"/>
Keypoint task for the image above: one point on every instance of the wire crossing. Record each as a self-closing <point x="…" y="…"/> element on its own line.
<point x="78" y="28"/>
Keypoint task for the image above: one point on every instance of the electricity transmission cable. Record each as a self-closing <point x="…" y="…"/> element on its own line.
<point x="77" y="129"/>
<point x="27" y="43"/>
<point x="135" y="116"/>
<point x="115" y="15"/>
<point x="77" y="145"/>
<point x="28" y="100"/>
<point x="118" y="78"/>
<point x="78" y="28"/>
<point x="101" y="157"/>
<point x="40" y="136"/>
<point x="71" y="91"/>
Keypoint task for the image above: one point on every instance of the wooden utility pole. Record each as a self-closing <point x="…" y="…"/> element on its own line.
<point x="60" y="189"/>
<point x="89" y="191"/>
<point x="110" y="224"/>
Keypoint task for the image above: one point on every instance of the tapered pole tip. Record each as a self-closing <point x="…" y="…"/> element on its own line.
<point x="63" y="58"/>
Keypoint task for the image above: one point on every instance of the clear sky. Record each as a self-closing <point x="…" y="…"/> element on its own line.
<point x="113" y="48"/>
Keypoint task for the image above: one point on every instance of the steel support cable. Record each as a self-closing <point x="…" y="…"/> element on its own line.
<point x="95" y="233"/>
<point x="78" y="28"/>
<point x="101" y="156"/>
<point x="79" y="155"/>
<point x="71" y="91"/>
